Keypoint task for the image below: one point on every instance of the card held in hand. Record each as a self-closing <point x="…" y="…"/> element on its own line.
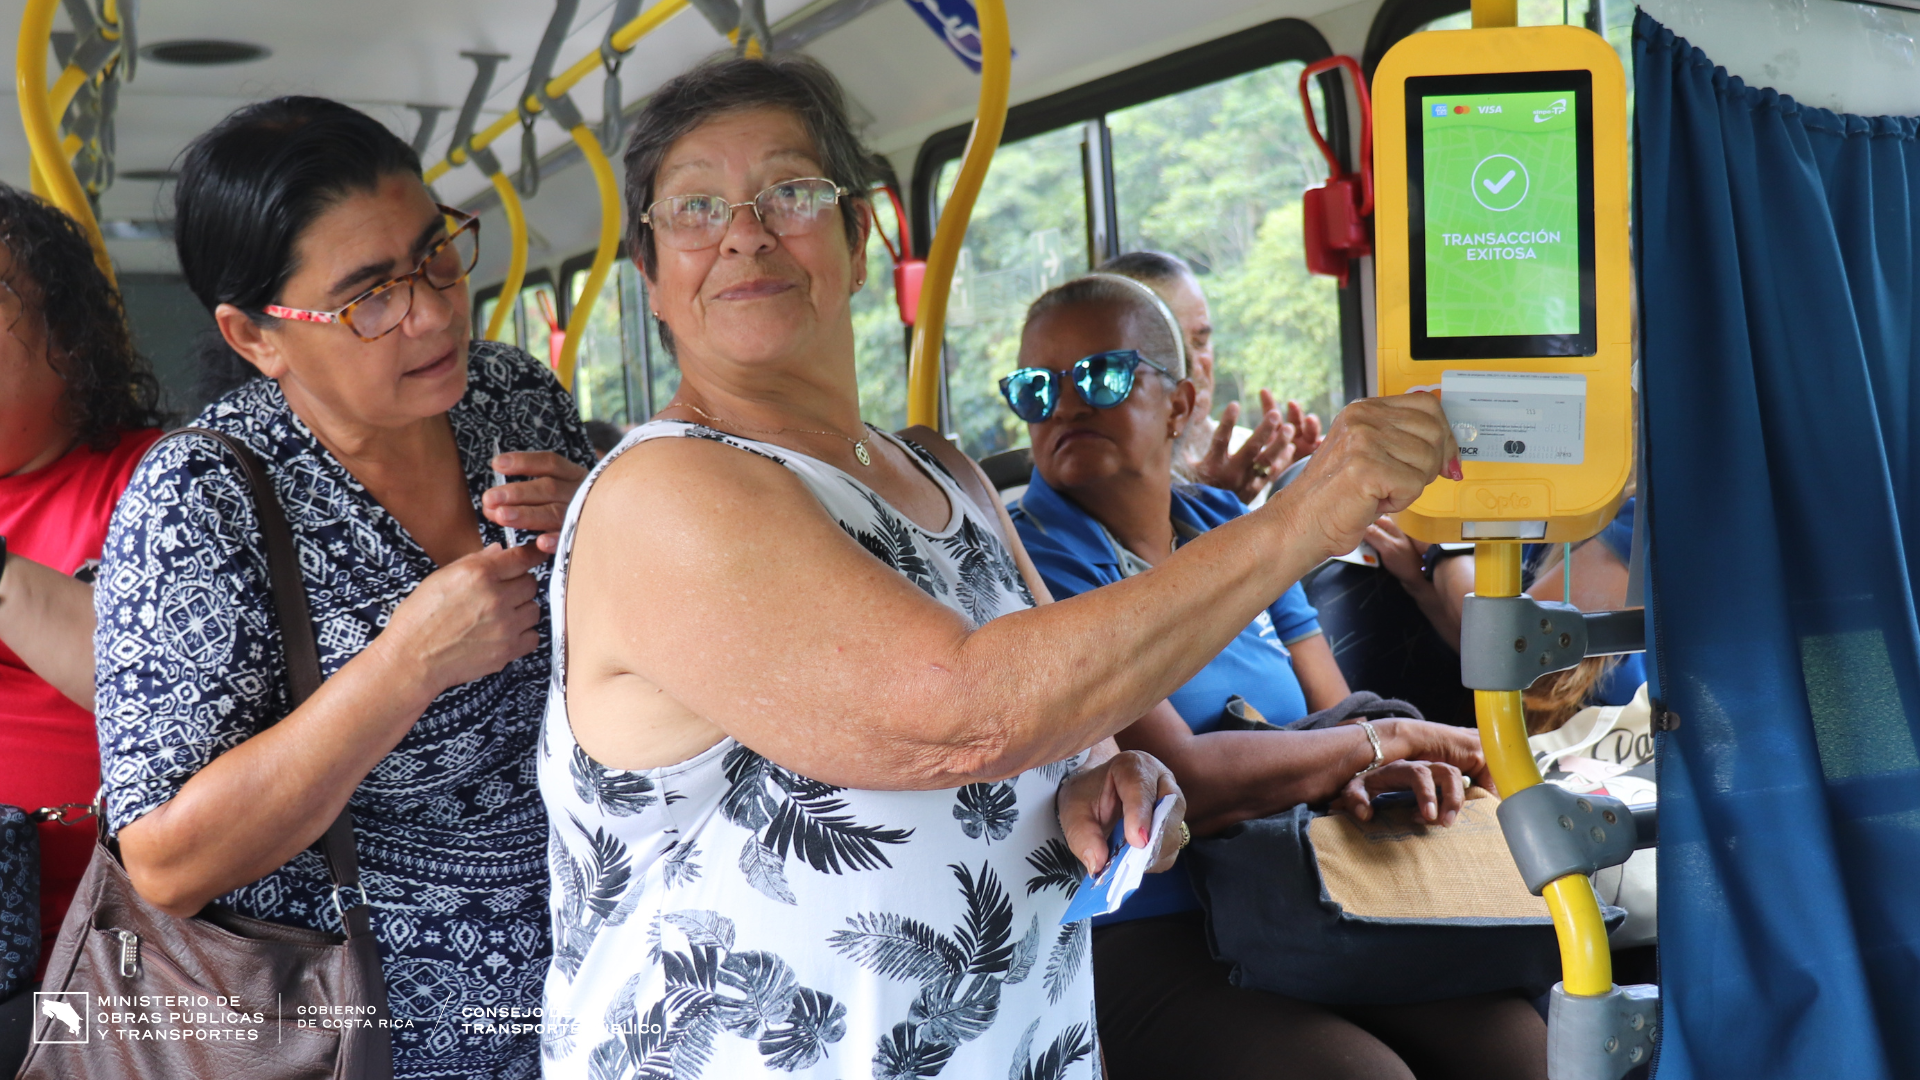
<point x="1126" y="866"/>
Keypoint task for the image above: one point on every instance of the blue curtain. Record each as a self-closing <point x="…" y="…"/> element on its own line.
<point x="1778" y="289"/>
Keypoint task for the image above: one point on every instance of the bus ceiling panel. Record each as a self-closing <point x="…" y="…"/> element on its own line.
<point x="890" y="62"/>
<point x="374" y="54"/>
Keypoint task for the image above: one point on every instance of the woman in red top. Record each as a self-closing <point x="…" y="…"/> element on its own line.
<point x="77" y="410"/>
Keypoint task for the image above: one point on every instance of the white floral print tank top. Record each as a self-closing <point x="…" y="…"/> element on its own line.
<point x="727" y="917"/>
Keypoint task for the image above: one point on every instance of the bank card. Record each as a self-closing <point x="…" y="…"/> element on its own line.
<point x="1530" y="417"/>
<point x="1126" y="867"/>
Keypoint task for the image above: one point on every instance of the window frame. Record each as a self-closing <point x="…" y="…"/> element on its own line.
<point x="1276" y="42"/>
<point x="1397" y="20"/>
<point x="631" y="380"/>
<point x="577" y="263"/>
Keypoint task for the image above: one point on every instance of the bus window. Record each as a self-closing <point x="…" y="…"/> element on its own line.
<point x="1215" y="175"/>
<point x="600" y="370"/>
<point x="1027" y="234"/>
<point x="879" y="341"/>
<point x="1554" y="13"/>
<point x="537" y="319"/>
<point x="483" y="314"/>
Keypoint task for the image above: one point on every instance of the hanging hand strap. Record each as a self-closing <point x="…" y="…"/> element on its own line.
<point x="336" y="846"/>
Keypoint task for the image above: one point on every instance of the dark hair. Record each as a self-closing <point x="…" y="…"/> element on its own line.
<point x="109" y="387"/>
<point x="1151" y="267"/>
<point x="604" y="435"/>
<point x="250" y="186"/>
<point x="1153" y="325"/>
<point x="794" y="83"/>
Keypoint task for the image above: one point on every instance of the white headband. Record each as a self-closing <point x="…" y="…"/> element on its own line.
<point x="1179" y="367"/>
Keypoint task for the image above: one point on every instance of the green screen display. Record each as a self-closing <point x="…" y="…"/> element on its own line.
<point x="1502" y="209"/>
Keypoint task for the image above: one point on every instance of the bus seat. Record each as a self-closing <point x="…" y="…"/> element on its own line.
<point x="1008" y="471"/>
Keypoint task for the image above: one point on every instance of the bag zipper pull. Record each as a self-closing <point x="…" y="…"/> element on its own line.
<point x="129" y="953"/>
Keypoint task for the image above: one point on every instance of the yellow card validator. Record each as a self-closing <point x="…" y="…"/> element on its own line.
<point x="1500" y="160"/>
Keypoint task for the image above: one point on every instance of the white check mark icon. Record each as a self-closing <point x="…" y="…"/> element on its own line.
<point x="1496" y="188"/>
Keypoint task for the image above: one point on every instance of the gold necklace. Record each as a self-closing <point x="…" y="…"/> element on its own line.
<point x="859" y="445"/>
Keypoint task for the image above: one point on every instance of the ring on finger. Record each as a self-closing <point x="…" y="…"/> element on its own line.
<point x="1262" y="469"/>
<point x="1186" y="837"/>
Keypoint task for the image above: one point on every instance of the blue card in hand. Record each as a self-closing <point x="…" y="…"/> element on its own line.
<point x="1126" y="866"/>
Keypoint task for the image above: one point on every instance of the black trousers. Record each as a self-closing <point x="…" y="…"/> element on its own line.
<point x="1166" y="1010"/>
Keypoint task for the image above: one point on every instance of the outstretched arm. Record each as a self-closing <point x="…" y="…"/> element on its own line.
<point x="718" y="579"/>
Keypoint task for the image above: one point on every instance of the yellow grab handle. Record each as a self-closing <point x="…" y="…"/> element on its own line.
<point x="30" y="82"/>
<point x="64" y="88"/>
<point x="1586" y="964"/>
<point x="990" y="120"/>
<point x="516" y="258"/>
<point x="602" y="256"/>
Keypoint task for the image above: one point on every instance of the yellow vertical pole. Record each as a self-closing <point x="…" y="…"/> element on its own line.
<point x="1586" y="964"/>
<point x="30" y="83"/>
<point x="602" y="256"/>
<point x="930" y="324"/>
<point x="516" y="257"/>
<point x="1488" y="14"/>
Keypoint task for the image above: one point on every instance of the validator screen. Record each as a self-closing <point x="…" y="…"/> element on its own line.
<point x="1502" y="221"/>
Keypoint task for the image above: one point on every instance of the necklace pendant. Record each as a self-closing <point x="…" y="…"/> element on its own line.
<point x="860" y="452"/>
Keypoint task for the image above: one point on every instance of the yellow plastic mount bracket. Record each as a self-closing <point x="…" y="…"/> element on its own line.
<point x="602" y="255"/>
<point x="1586" y="965"/>
<point x="623" y="41"/>
<point x="929" y="326"/>
<point x="516" y="257"/>
<point x="30" y="82"/>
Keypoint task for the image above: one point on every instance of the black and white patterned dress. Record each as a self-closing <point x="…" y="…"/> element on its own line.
<point x="450" y="833"/>
<point x="727" y="917"/>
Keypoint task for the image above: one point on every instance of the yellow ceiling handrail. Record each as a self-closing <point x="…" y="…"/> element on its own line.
<point x="30" y="82"/>
<point x="990" y="120"/>
<point x="517" y="257"/>
<point x="623" y="40"/>
<point x="603" y="255"/>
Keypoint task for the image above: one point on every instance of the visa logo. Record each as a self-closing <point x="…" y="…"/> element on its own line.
<point x="1485" y="109"/>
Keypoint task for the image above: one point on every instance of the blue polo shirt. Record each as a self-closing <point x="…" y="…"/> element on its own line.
<point x="1073" y="554"/>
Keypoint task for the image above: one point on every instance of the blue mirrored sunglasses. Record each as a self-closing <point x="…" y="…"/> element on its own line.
<point x="1102" y="380"/>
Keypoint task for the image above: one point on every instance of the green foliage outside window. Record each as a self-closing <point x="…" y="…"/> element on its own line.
<point x="1215" y="176"/>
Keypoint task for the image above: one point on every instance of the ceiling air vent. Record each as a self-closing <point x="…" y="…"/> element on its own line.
<point x="198" y="52"/>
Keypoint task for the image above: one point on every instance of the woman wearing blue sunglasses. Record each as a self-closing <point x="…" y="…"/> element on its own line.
<point x="1105" y="399"/>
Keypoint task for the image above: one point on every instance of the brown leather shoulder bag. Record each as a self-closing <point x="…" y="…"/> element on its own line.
<point x="133" y="993"/>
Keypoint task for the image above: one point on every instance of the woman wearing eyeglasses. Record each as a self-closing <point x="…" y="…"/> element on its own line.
<point x="1105" y="399"/>
<point x="823" y="763"/>
<point x="304" y="227"/>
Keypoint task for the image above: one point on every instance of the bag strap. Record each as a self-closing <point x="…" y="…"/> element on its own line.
<point x="964" y="472"/>
<point x="336" y="845"/>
